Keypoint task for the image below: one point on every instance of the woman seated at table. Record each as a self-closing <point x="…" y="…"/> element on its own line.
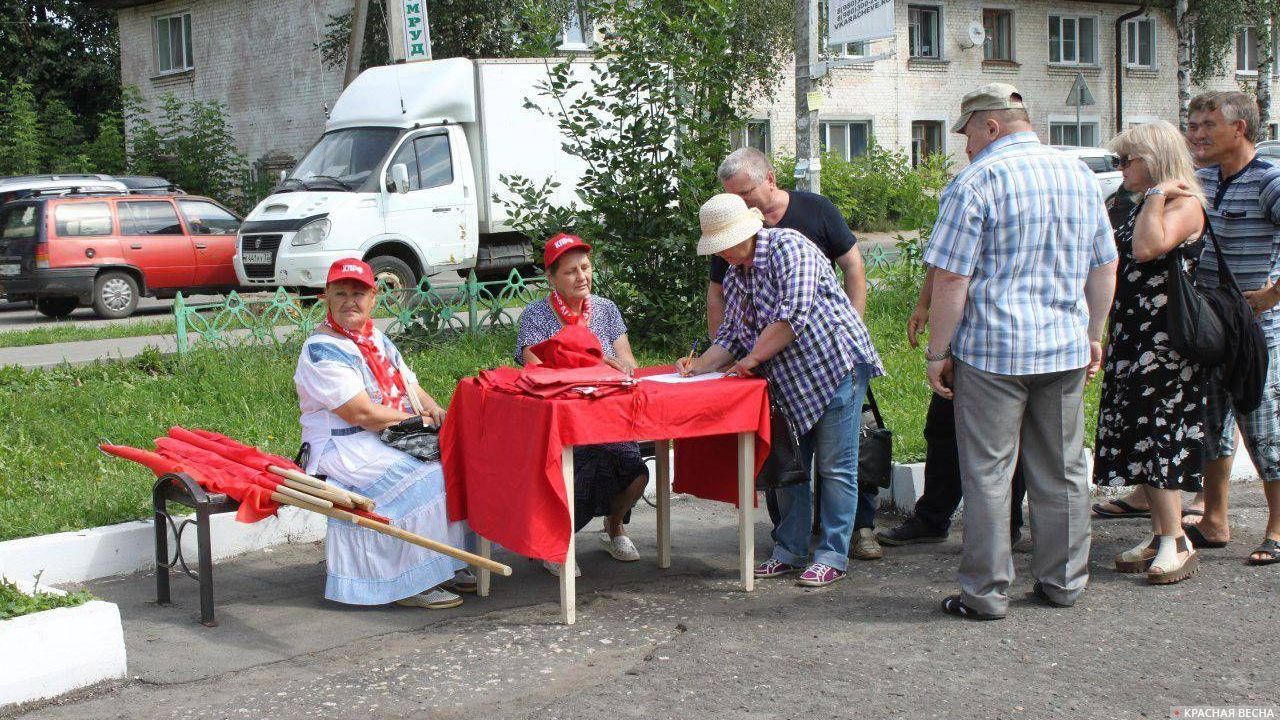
<point x="609" y="478"/>
<point x="352" y="383"/>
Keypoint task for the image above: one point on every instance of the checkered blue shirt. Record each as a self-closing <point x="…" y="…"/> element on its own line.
<point x="790" y="279"/>
<point x="1025" y="223"/>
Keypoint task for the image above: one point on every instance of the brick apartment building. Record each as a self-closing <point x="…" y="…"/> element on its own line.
<point x="259" y="58"/>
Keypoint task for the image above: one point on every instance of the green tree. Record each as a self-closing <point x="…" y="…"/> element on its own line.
<point x="106" y="152"/>
<point x="652" y="124"/>
<point x="20" y="146"/>
<point x="60" y="137"/>
<point x="459" y="28"/>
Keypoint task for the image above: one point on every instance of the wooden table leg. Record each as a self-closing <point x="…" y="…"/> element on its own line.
<point x="663" y="462"/>
<point x="568" y="588"/>
<point x="485" y="548"/>
<point x="746" y="505"/>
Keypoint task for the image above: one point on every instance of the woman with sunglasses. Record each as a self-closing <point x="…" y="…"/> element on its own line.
<point x="1151" y="416"/>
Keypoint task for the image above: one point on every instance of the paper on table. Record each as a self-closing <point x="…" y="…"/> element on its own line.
<point x="675" y="377"/>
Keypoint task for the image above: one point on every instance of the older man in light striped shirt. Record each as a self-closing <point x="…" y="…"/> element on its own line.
<point x="1023" y="265"/>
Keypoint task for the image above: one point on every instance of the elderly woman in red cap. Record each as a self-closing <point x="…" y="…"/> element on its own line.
<point x="353" y="383"/>
<point x="608" y="479"/>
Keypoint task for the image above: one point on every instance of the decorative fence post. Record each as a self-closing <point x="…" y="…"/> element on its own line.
<point x="473" y="312"/>
<point x="180" y="321"/>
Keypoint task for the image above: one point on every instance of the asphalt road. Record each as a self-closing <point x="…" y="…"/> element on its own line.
<point x="23" y="316"/>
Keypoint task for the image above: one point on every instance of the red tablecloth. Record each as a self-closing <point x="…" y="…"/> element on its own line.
<point x="501" y="452"/>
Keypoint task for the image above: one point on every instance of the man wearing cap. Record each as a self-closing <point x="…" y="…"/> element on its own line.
<point x="786" y="318"/>
<point x="1023" y="275"/>
<point x="747" y="173"/>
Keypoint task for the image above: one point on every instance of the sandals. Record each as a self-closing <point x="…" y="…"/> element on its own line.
<point x="1137" y="559"/>
<point x="953" y="605"/>
<point x="1270" y="548"/>
<point x="1126" y="510"/>
<point x="1198" y="540"/>
<point x="1161" y="573"/>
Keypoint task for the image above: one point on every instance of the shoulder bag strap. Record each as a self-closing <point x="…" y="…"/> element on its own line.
<point x="875" y="407"/>
<point x="1225" y="276"/>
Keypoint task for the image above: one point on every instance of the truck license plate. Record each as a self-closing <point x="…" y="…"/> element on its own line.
<point x="257" y="258"/>
<point x="10" y="270"/>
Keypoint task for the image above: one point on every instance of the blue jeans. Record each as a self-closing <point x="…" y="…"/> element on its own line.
<point x="833" y="444"/>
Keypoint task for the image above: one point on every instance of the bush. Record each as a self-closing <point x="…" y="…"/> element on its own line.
<point x="20" y="146"/>
<point x="880" y="190"/>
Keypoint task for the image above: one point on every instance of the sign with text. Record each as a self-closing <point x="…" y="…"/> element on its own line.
<point x="410" y="30"/>
<point x="851" y="21"/>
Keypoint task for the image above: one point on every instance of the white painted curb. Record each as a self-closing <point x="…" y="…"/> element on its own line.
<point x="72" y="557"/>
<point x="48" y="653"/>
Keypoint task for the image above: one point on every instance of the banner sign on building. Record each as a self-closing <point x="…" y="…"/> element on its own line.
<point x="851" y="21"/>
<point x="417" y="34"/>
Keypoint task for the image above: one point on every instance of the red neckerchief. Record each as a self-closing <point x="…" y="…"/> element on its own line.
<point x="387" y="375"/>
<point x="567" y="316"/>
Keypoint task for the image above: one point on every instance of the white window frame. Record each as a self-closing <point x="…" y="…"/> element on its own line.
<point x="188" y="54"/>
<point x="1076" y="18"/>
<point x="1132" y="36"/>
<point x="576" y="34"/>
<point x="1250" y="31"/>
<point x="1013" y="34"/>
<point x="1094" y="121"/>
<point x="942" y="124"/>
<point x="824" y="130"/>
<point x="744" y="135"/>
<point x="913" y="30"/>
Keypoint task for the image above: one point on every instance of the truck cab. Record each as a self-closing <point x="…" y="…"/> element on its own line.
<point x="404" y="177"/>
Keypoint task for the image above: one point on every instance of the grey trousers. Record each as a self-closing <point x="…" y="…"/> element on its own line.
<point x="1041" y="418"/>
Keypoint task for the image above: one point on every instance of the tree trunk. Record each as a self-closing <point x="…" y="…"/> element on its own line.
<point x="1266" y="58"/>
<point x="355" y="43"/>
<point x="1183" y="26"/>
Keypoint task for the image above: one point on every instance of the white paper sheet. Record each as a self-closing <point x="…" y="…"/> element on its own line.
<point x="675" y="377"/>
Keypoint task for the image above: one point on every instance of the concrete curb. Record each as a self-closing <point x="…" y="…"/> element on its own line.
<point x="73" y="557"/>
<point x="48" y="653"/>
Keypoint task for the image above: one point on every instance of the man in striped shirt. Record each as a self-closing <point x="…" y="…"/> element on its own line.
<point x="1244" y="212"/>
<point x="1024" y="271"/>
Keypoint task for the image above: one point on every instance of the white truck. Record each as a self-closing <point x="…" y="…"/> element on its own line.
<point x="405" y="177"/>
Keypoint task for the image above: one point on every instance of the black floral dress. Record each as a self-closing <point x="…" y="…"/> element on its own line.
<point x="1151" y="417"/>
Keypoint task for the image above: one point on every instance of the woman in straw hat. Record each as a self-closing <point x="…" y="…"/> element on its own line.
<point x="786" y="318"/>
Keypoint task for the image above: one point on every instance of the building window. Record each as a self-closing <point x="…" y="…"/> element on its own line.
<point x="1073" y="40"/>
<point x="926" y="140"/>
<point x="848" y="50"/>
<point x="1247" y="50"/>
<point x="999" y="30"/>
<point x="173" y="43"/>
<point x="1068" y="133"/>
<point x="924" y="25"/>
<point x="756" y="134"/>
<point x="575" y="33"/>
<point x="1141" y="51"/>
<point x="848" y="139"/>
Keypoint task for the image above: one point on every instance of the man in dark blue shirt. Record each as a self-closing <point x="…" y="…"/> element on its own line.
<point x="747" y="173"/>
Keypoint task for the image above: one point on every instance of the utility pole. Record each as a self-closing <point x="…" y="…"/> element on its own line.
<point x="807" y="143"/>
<point x="355" y="44"/>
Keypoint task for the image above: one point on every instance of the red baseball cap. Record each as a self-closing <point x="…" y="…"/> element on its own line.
<point x="351" y="269"/>
<point x="560" y="244"/>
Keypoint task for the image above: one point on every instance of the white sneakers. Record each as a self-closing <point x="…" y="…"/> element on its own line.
<point x="621" y="547"/>
<point x="433" y="599"/>
<point x="555" y="568"/>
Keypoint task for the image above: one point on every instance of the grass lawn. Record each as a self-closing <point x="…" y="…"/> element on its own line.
<point x="72" y="333"/>
<point x="52" y="478"/>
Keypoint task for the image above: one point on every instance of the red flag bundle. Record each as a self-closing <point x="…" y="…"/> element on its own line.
<point x="258" y="481"/>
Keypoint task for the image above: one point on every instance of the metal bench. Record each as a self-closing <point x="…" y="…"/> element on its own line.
<point x="181" y="488"/>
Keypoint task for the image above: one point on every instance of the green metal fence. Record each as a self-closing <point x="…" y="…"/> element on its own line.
<point x="424" y="312"/>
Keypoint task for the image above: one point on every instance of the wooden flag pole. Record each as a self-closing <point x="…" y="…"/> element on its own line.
<point x="357" y="500"/>
<point x="395" y="532"/>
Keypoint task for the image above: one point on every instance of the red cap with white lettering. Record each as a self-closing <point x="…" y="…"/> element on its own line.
<point x="351" y="269"/>
<point x="560" y="244"/>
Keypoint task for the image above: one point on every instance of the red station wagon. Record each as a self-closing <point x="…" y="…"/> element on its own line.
<point x="108" y="250"/>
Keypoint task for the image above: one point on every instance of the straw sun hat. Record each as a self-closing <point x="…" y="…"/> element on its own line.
<point x="726" y="221"/>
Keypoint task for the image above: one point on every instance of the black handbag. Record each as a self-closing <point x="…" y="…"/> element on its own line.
<point x="414" y="437"/>
<point x="875" y="449"/>
<point x="783" y="466"/>
<point x="1196" y="331"/>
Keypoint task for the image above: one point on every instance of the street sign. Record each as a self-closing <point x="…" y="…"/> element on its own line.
<point x="850" y="21"/>
<point x="1080" y="94"/>
<point x="410" y="30"/>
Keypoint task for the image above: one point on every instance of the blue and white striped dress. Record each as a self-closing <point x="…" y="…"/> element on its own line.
<point x="365" y="567"/>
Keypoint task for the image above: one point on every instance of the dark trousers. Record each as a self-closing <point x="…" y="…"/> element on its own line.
<point x="942" y="491"/>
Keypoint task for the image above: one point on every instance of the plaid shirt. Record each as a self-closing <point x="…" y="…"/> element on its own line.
<point x="791" y="280"/>
<point x="1024" y="222"/>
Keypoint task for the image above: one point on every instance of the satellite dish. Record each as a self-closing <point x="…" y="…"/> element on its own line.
<point x="973" y="36"/>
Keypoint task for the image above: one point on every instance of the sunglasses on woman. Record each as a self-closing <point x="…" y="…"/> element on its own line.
<point x="1124" y="161"/>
